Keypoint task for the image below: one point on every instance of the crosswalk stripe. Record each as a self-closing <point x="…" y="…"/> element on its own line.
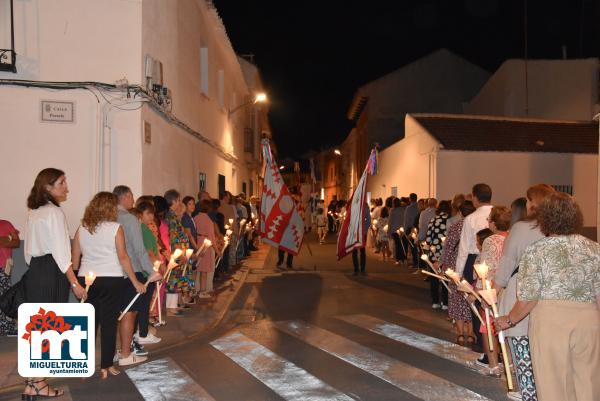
<point x="283" y="377"/>
<point x="407" y="378"/>
<point x="163" y="380"/>
<point x="419" y="315"/>
<point x="443" y="349"/>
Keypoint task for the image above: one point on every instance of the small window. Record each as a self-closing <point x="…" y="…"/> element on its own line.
<point x="244" y="188"/>
<point x="8" y="56"/>
<point x="251" y="187"/>
<point x="221" y="89"/>
<point x="204" y="70"/>
<point x="564" y="188"/>
<point x="201" y="182"/>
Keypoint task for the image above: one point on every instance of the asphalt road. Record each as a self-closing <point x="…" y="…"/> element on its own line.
<point x="313" y="333"/>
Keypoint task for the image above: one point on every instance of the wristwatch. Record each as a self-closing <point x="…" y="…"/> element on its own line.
<point x="74" y="285"/>
<point x="510" y="323"/>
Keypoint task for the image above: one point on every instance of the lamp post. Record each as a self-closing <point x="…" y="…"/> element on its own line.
<point x="258" y="98"/>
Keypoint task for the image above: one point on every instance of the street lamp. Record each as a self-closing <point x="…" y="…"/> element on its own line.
<point x="281" y="167"/>
<point x="260" y="97"/>
<point x="337" y="152"/>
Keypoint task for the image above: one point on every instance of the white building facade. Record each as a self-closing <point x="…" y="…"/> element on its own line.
<point x="442" y="155"/>
<point x="184" y="137"/>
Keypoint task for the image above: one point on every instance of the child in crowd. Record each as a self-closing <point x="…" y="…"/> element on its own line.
<point x="321" y="221"/>
<point x="383" y="240"/>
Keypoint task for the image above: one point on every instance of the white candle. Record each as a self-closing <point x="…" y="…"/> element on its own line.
<point x="177" y="254"/>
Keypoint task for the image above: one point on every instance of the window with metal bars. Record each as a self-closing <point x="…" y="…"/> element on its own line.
<point x="8" y="56"/>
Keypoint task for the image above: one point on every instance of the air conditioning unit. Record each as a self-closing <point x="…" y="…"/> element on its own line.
<point x="153" y="71"/>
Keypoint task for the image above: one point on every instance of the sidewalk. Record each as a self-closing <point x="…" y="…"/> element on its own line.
<point x="202" y="317"/>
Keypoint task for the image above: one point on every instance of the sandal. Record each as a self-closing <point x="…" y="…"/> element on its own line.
<point x="112" y="371"/>
<point x="471" y="340"/>
<point x="33" y="397"/>
<point x="459" y="341"/>
<point x="492" y="372"/>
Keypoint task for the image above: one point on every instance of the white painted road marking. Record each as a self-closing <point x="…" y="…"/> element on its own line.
<point x="283" y="377"/>
<point x="426" y="317"/>
<point x="163" y="380"/>
<point x="443" y="349"/>
<point x="415" y="381"/>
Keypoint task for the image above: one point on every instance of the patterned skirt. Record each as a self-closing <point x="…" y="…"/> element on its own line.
<point x="458" y="307"/>
<point x="7" y="325"/>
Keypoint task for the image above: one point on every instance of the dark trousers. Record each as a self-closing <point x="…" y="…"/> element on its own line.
<point x="143" y="315"/>
<point x="105" y="296"/>
<point x="434" y="285"/>
<point x="281" y="255"/>
<point x="223" y="266"/>
<point x="399" y="253"/>
<point x="330" y="225"/>
<point x="414" y="249"/>
<point x="363" y="259"/>
<point x="468" y="274"/>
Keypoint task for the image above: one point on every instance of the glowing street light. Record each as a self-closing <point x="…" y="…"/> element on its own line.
<point x="337" y="152"/>
<point x="260" y="98"/>
<point x="281" y="167"/>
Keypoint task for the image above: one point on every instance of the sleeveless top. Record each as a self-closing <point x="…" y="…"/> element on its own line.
<point x="99" y="251"/>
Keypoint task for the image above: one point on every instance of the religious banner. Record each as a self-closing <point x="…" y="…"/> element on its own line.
<point x="281" y="225"/>
<point x="353" y="233"/>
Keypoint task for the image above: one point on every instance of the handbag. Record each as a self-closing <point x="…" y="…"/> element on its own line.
<point x="13" y="298"/>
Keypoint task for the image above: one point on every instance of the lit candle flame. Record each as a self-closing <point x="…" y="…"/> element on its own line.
<point x="177" y="254"/>
<point x="90" y="277"/>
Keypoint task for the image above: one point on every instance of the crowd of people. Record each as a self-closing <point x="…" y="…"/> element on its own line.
<point x="169" y="249"/>
<point x="545" y="275"/>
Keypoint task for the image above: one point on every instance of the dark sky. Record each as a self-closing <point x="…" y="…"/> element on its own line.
<point x="313" y="55"/>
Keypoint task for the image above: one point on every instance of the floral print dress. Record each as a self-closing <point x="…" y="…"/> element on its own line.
<point x="458" y="308"/>
<point x="178" y="282"/>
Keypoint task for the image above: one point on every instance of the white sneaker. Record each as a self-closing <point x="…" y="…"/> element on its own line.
<point x="435" y="306"/>
<point x="132" y="359"/>
<point x="149" y="339"/>
<point x="117" y="356"/>
<point x="444" y="307"/>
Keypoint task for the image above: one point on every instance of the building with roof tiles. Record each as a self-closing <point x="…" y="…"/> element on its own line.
<point x="445" y="154"/>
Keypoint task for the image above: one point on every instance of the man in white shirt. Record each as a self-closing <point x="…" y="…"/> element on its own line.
<point x="476" y="221"/>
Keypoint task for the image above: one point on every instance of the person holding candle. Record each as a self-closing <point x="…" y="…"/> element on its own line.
<point x="146" y="212"/>
<point x="410" y="216"/>
<point x="559" y="286"/>
<point x="521" y="235"/>
<point x="490" y="242"/>
<point x="131" y="352"/>
<point x="48" y="254"/>
<point x="458" y="307"/>
<point x="207" y="230"/>
<point x="382" y="228"/>
<point x="397" y="221"/>
<point x="9" y="240"/>
<point x="99" y="244"/>
<point x="436" y="229"/>
<point x="467" y="248"/>
<point x="189" y="205"/>
<point x="178" y="283"/>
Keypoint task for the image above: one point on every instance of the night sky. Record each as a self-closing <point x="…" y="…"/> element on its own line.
<point x="313" y="55"/>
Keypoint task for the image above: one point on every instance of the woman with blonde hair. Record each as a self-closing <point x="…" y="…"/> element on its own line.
<point x="100" y="245"/>
<point x="521" y="235"/>
<point x="559" y="286"/>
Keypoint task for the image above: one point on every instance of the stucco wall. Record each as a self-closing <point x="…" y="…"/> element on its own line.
<point x="68" y="40"/>
<point x="558" y="89"/>
<point x="174" y="32"/>
<point x="408" y="164"/>
<point x="511" y="173"/>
